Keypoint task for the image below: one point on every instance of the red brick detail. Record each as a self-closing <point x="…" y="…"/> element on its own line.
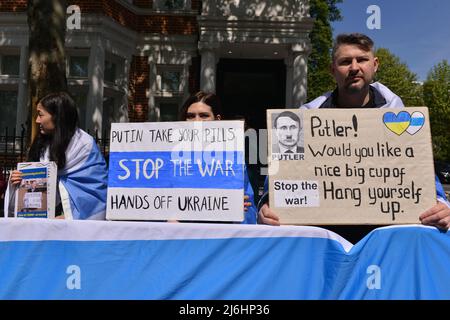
<point x="163" y="24"/>
<point x="168" y="24"/>
<point x="13" y="5"/>
<point x="119" y="13"/>
<point x="87" y="6"/>
<point x="138" y="88"/>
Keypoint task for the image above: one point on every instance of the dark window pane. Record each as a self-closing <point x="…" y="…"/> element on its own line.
<point x="168" y="111"/>
<point x="78" y="67"/>
<point x="80" y="101"/>
<point x="110" y="71"/>
<point x="8" y="103"/>
<point x="108" y="115"/>
<point x="10" y="65"/>
<point x="173" y="4"/>
<point x="170" y="81"/>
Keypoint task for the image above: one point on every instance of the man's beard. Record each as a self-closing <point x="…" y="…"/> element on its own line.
<point x="355" y="88"/>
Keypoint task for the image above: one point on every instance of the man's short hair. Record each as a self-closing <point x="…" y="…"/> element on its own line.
<point x="288" y="114"/>
<point x="358" y="39"/>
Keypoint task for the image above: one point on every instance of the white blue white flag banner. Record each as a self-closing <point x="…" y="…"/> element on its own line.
<point x="176" y="170"/>
<point x="60" y="259"/>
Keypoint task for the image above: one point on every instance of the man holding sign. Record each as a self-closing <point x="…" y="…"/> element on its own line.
<point x="353" y="67"/>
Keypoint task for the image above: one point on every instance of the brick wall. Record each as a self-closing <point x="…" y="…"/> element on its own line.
<point x="13" y="5"/>
<point x="195" y="4"/>
<point x="163" y="24"/>
<point x="87" y="6"/>
<point x="168" y="24"/>
<point x="138" y="88"/>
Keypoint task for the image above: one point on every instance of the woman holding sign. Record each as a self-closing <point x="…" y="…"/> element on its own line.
<point x="82" y="174"/>
<point x="204" y="106"/>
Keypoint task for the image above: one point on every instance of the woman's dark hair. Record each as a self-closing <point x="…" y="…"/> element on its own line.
<point x="207" y="98"/>
<point x="64" y="114"/>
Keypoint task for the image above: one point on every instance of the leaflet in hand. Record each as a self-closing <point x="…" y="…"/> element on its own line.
<point x="35" y="197"/>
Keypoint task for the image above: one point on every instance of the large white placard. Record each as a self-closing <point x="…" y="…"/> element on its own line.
<point x="350" y="166"/>
<point x="176" y="170"/>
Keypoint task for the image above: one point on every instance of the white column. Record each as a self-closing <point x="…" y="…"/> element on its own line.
<point x="208" y="69"/>
<point x="299" y="79"/>
<point x="300" y="52"/>
<point x="123" y="104"/>
<point x="95" y="97"/>
<point x="289" y="79"/>
<point x="185" y="79"/>
<point x="153" y="111"/>
<point x="22" y="92"/>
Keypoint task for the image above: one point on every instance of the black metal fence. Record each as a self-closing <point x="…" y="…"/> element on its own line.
<point x="13" y="148"/>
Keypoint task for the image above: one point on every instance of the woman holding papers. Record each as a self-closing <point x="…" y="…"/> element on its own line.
<point x="204" y="106"/>
<point x="82" y="173"/>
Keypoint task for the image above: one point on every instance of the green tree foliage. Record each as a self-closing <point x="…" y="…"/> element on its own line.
<point x="319" y="78"/>
<point x="436" y="94"/>
<point x="396" y="75"/>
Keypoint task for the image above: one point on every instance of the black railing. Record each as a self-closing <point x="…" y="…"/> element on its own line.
<point x="13" y="148"/>
<point x="103" y="143"/>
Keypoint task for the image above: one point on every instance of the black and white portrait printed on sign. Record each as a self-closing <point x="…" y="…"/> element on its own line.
<point x="287" y="136"/>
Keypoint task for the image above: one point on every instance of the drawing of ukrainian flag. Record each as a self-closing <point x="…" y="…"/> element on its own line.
<point x="397" y="123"/>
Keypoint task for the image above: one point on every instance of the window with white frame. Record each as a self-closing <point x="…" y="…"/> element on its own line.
<point x="78" y="66"/>
<point x="8" y="103"/>
<point x="114" y="88"/>
<point x="9" y="64"/>
<point x="168" y="79"/>
<point x="171" y="4"/>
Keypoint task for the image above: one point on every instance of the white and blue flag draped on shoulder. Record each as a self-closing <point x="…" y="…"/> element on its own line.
<point x="85" y="179"/>
<point x="150" y="260"/>
<point x="82" y="182"/>
<point x="391" y="100"/>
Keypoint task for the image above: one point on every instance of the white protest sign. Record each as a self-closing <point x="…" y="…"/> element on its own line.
<point x="36" y="194"/>
<point x="176" y="170"/>
<point x="350" y="166"/>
